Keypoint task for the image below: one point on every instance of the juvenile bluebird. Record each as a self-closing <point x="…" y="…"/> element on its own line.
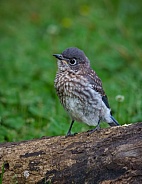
<point x="80" y="90"/>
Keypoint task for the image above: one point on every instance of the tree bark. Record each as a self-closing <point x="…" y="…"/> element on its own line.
<point x="108" y="156"/>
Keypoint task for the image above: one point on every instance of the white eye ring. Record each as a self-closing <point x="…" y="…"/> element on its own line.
<point x="73" y="61"/>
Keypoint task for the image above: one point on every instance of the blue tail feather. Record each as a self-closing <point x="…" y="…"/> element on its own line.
<point x="114" y="123"/>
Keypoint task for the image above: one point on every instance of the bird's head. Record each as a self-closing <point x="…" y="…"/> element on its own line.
<point x="72" y="59"/>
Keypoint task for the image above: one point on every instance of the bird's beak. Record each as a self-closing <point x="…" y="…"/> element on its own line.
<point x="58" y="56"/>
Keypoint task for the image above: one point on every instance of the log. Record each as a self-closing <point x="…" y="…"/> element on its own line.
<point x="107" y="156"/>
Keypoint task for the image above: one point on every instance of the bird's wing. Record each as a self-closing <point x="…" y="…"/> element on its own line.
<point x="97" y="86"/>
<point x="105" y="100"/>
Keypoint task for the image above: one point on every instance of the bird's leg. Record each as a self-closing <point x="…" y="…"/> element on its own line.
<point x="69" y="131"/>
<point x="96" y="128"/>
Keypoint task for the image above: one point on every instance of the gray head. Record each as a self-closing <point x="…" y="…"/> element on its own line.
<point x="72" y="59"/>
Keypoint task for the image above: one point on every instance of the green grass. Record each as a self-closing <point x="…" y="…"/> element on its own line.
<point x="110" y="33"/>
<point x="1" y="174"/>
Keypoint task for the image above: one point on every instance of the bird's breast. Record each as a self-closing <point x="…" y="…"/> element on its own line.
<point x="71" y="86"/>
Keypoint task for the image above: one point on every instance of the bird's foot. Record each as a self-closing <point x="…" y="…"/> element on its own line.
<point x="93" y="130"/>
<point x="69" y="134"/>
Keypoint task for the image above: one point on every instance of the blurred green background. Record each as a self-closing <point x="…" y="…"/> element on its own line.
<point x="110" y="33"/>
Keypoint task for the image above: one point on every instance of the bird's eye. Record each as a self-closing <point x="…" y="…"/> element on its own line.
<point x="73" y="62"/>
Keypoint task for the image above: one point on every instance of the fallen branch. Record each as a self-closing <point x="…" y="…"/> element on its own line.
<point x="112" y="155"/>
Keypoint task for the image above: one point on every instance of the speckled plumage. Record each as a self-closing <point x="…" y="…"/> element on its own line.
<point x="80" y="90"/>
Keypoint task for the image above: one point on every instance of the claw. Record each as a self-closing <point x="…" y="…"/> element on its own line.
<point x="70" y="135"/>
<point x="97" y="128"/>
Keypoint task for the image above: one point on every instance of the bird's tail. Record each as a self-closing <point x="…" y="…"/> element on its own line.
<point x="114" y="123"/>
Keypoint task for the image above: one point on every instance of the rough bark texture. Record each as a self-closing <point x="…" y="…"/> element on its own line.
<point x="112" y="155"/>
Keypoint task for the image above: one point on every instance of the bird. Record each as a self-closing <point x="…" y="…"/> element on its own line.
<point x="80" y="90"/>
